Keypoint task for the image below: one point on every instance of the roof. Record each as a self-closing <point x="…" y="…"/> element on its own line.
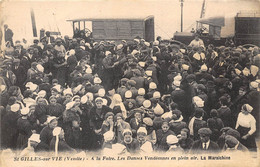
<point x="214" y="21"/>
<point x="112" y="18"/>
<point x="184" y="34"/>
<point x="248" y="14"/>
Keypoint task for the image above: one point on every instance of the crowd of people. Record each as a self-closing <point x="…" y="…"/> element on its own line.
<point x="75" y="94"/>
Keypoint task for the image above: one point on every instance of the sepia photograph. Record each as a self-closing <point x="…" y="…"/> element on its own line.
<point x="129" y="83"/>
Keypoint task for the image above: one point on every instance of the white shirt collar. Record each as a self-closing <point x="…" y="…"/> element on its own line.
<point x="207" y="145"/>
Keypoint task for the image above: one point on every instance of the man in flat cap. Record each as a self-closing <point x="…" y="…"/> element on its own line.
<point x="48" y="38"/>
<point x="232" y="144"/>
<point x="122" y="89"/>
<point x="7" y="74"/>
<point x="138" y="79"/>
<point x="19" y="72"/>
<point x="130" y="84"/>
<point x="108" y="66"/>
<point x="204" y="144"/>
<point x="8" y="34"/>
<point x="19" y="51"/>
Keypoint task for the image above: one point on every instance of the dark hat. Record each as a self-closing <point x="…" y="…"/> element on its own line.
<point x="210" y="84"/>
<point x="132" y="64"/>
<point x="87" y="77"/>
<point x="177" y="113"/>
<point x="138" y="110"/>
<point x="198" y="112"/>
<point x="214" y="113"/>
<point x="231" y="141"/>
<point x="131" y="82"/>
<point x="191" y="77"/>
<point x="153" y="100"/>
<point x="17" y="60"/>
<point x="227" y="49"/>
<point x="201" y="87"/>
<point x="30" y="48"/>
<point x="49" y="46"/>
<point x="7" y="61"/>
<point x="132" y="101"/>
<point x="58" y="40"/>
<point x="54" y="81"/>
<point x="221" y="48"/>
<point x="35" y="41"/>
<point x="233" y="132"/>
<point x="119" y="115"/>
<point x="205" y="131"/>
<point x="78" y="68"/>
<point x="173" y="68"/>
<point x="136" y="71"/>
<point x="130" y="56"/>
<point x="124" y="80"/>
<point x="109" y="114"/>
<point x="236" y="54"/>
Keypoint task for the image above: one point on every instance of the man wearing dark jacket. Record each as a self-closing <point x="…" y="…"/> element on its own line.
<point x="204" y="145"/>
<point x="8" y="34"/>
<point x="19" y="72"/>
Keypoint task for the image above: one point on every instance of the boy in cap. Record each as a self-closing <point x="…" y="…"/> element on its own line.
<point x="233" y="145"/>
<point x="196" y="123"/>
<point x="136" y="122"/>
<point x="161" y="135"/>
<point x="224" y="112"/>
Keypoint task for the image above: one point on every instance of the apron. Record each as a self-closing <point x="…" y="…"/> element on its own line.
<point x="21" y="140"/>
<point x="250" y="141"/>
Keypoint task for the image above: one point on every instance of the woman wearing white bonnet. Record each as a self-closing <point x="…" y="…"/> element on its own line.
<point x="71" y="113"/>
<point x="109" y="136"/>
<point x="46" y="133"/>
<point x="145" y="146"/>
<point x="246" y="126"/>
<point x="31" y="148"/>
<point x="24" y="128"/>
<point x="9" y="126"/>
<point x="173" y="144"/>
<point x="58" y="144"/>
<point x="119" y="104"/>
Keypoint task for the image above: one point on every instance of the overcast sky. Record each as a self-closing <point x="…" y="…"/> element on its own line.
<point x="53" y="15"/>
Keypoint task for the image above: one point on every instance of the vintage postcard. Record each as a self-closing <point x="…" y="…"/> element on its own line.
<point x="129" y="83"/>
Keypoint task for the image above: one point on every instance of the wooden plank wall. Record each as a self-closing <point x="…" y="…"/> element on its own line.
<point x="117" y="29"/>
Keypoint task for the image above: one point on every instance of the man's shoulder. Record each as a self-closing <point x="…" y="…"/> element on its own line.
<point x="197" y="142"/>
<point x="213" y="144"/>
